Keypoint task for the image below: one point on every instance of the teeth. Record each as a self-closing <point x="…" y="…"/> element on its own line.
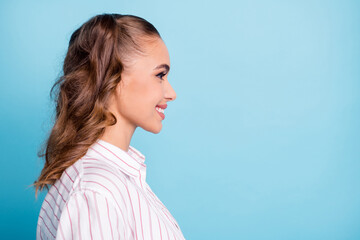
<point x="159" y="109"/>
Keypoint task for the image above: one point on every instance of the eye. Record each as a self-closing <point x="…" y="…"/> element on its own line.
<point x="161" y="75"/>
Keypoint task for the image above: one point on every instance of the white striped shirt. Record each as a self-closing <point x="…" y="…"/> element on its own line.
<point x="104" y="195"/>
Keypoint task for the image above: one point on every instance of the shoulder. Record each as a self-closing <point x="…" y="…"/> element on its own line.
<point x="99" y="177"/>
<point x="104" y="217"/>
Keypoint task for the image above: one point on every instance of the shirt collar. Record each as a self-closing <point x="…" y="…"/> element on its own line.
<point x="130" y="162"/>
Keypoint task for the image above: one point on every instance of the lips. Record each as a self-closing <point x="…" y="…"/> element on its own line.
<point x="163" y="106"/>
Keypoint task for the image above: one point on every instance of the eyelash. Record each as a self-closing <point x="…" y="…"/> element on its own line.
<point x="162" y="74"/>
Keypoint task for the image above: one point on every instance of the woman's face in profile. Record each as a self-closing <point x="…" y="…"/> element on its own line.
<point x="144" y="85"/>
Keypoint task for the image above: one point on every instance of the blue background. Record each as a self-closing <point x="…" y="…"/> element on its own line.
<point x="262" y="141"/>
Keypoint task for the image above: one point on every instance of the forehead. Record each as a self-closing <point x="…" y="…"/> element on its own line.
<point x="158" y="52"/>
<point x="157" y="48"/>
<point x="155" y="53"/>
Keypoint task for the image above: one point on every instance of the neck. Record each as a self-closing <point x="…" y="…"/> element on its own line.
<point x="119" y="134"/>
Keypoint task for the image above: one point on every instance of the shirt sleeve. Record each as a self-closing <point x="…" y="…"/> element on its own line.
<point x="89" y="215"/>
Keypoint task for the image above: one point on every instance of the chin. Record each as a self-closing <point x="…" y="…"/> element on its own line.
<point x="153" y="129"/>
<point x="156" y="132"/>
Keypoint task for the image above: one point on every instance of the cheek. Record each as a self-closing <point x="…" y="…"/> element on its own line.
<point x="149" y="90"/>
<point x="143" y="98"/>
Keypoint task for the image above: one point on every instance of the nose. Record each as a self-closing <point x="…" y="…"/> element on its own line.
<point x="170" y="93"/>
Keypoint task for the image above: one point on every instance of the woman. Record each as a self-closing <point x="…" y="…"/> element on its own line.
<point x="115" y="79"/>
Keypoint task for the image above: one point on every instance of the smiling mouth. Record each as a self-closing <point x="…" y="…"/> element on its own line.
<point x="160" y="111"/>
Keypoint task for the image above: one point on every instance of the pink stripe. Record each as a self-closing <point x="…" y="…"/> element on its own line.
<point x="147" y="203"/>
<point x="78" y="212"/>
<point x="156" y="200"/>
<point x="159" y="226"/>
<point x="87" y="204"/>
<point x="117" y="224"/>
<point x="59" y="192"/>
<point x="97" y="212"/>
<point x="64" y="185"/>
<point x="107" y="170"/>
<point x="140" y="180"/>
<point x="115" y="185"/>
<point x="61" y="230"/>
<point x="142" y="231"/>
<point x="107" y="205"/>
<point x="167" y="233"/>
<point x="133" y="150"/>
<point x="111" y="181"/>
<point x="72" y="235"/>
<point x="118" y="156"/>
<point x="48" y="217"/>
<point x="174" y="235"/>
<point x="77" y="172"/>
<point x="125" y="234"/>
<point x="168" y="219"/>
<point x="163" y="208"/>
<point x="151" y="192"/>
<point x="102" y="163"/>
<point x="69" y="176"/>
<point x="137" y="160"/>
<point x="167" y="216"/>
<point x="111" y="195"/>
<point x="54" y="200"/>
<point x="47" y="226"/>
<point x="151" y="234"/>
<point x="132" y="212"/>
<point x="115" y="162"/>
<point x="52" y="209"/>
<point x="97" y="160"/>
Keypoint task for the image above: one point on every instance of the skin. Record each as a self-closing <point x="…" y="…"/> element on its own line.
<point x="141" y="88"/>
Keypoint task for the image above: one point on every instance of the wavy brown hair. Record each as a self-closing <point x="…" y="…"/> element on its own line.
<point x="98" y="52"/>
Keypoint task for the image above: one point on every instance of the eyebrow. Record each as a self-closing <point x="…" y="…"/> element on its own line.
<point x="163" y="66"/>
